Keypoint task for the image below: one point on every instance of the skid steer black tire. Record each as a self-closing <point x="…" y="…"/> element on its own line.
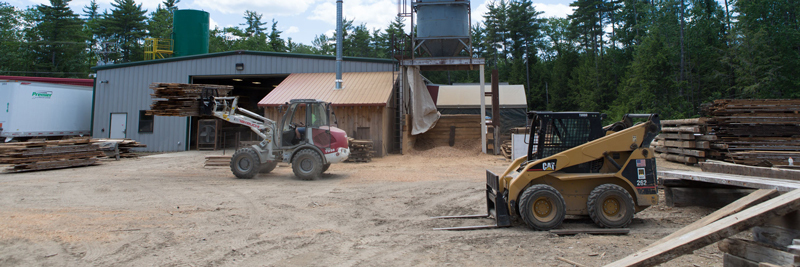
<point x="268" y="167"/>
<point x="307" y="164"/>
<point x="325" y="167"/>
<point x="245" y="163"/>
<point x="610" y="206"/>
<point x="542" y="207"/>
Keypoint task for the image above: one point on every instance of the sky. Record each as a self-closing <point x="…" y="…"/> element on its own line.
<point x="302" y="20"/>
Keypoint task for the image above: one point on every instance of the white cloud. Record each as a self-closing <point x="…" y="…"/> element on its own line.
<point x="265" y="7"/>
<point x="554" y="10"/>
<point x="292" y="29"/>
<point x="477" y="13"/>
<point x="376" y="14"/>
<point x="212" y="24"/>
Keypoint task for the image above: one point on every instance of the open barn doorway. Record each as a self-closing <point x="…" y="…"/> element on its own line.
<point x="209" y="133"/>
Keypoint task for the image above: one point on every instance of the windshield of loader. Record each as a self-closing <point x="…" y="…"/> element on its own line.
<point x="560" y="134"/>
<point x="319" y="115"/>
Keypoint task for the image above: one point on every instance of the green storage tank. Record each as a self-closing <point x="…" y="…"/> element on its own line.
<point x="190" y="32"/>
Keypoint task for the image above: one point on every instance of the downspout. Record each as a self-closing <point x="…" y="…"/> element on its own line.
<point x="338" y="45"/>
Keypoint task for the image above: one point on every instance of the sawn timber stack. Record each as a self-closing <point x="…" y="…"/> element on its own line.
<point x="45" y="155"/>
<point x="180" y="99"/>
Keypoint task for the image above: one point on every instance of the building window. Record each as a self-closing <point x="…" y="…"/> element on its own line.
<point x="146" y="122"/>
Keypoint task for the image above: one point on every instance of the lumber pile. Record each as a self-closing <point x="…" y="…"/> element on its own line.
<point x="215" y="161"/>
<point x="46" y="155"/>
<point x="360" y="150"/>
<point x="760" y="132"/>
<point x="117" y="148"/>
<point x="180" y="99"/>
<point x="505" y="149"/>
<point x="685" y="141"/>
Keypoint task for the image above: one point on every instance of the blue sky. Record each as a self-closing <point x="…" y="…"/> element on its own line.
<point x="302" y="19"/>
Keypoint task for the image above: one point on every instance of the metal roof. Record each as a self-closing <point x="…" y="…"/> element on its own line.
<point x="360" y="89"/>
<point x="468" y="96"/>
<point x="69" y="81"/>
<point x="239" y="52"/>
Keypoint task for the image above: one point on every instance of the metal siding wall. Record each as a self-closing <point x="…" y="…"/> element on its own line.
<point x="128" y="90"/>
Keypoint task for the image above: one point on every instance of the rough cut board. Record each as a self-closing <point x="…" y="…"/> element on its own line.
<point x="729" y="168"/>
<point x="732" y="179"/>
<point x="714" y="232"/>
<point x="750" y="200"/>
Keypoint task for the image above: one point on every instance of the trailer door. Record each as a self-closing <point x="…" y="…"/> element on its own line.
<point x="119" y="126"/>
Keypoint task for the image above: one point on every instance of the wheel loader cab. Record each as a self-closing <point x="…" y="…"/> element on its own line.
<point x="303" y="118"/>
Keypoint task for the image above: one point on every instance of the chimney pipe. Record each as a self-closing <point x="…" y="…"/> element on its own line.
<point x="338" y="45"/>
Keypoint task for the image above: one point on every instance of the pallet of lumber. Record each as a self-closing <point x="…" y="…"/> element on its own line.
<point x="360" y="150"/>
<point x="46" y="155"/>
<point x="686" y="140"/>
<point x="117" y="148"/>
<point x="505" y="149"/>
<point x="216" y="161"/>
<point x="180" y="99"/>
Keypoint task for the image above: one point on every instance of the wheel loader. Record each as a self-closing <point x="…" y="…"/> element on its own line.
<point x="575" y="166"/>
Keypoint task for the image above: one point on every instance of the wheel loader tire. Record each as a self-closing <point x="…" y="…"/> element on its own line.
<point x="268" y="167"/>
<point x="245" y="163"/>
<point x="325" y="167"/>
<point x="610" y="206"/>
<point x="542" y="207"/>
<point x="307" y="164"/>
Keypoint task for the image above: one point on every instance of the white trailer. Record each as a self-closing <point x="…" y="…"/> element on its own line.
<point x="32" y="109"/>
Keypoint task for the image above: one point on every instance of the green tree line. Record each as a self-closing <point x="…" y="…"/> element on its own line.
<point x="613" y="56"/>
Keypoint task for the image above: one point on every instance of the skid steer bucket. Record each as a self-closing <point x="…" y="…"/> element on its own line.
<point x="496" y="207"/>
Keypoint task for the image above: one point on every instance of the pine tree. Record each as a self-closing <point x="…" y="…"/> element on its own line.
<point x="275" y="42"/>
<point x="126" y="26"/>
<point x="160" y="23"/>
<point x="58" y="40"/>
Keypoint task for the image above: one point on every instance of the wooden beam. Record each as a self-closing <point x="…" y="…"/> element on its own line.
<point x="714" y="232"/>
<point x="731" y="179"/>
<point x="703" y="197"/>
<point x="757" y="252"/>
<point x="685" y="121"/>
<point x="595" y="231"/>
<point x="730" y="168"/>
<point x="681" y="129"/>
<point x="681" y="151"/>
<point x="678" y="158"/>
<point x="750" y="200"/>
<point x="729" y="260"/>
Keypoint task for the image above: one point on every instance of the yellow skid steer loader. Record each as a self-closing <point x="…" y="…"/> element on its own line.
<point x="575" y="166"/>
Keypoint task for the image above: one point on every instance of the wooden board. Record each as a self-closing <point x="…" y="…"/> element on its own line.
<point x="729" y="260"/>
<point x="681" y="151"/>
<point x="750" y="200"/>
<point x="685" y="121"/>
<point x="594" y="231"/>
<point x="757" y="252"/>
<point x="729" y="168"/>
<point x="703" y="197"/>
<point x="714" y="232"/>
<point x="732" y="179"/>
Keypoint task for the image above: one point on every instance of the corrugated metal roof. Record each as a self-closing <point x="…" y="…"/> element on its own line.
<point x="360" y="88"/>
<point x="464" y="96"/>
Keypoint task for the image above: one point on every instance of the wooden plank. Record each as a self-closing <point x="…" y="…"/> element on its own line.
<point x="678" y="158"/>
<point x="757" y="252"/>
<point x="765" y="264"/>
<point x="594" y="231"/>
<point x="686" y="144"/>
<point x="685" y="121"/>
<point x="703" y="197"/>
<point x="730" y="168"/>
<point x="714" y="232"/>
<point x="729" y="260"/>
<point x="676" y="136"/>
<point x="748" y="201"/>
<point x="682" y="151"/>
<point x="681" y="129"/>
<point x="781" y="185"/>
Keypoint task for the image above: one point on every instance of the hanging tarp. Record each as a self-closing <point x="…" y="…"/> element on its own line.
<point x="422" y="109"/>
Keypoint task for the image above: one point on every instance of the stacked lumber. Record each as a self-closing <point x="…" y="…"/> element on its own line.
<point x="686" y="141"/>
<point x="118" y="148"/>
<point x="505" y="149"/>
<point x="218" y="161"/>
<point x="180" y="99"/>
<point x="762" y="132"/>
<point x="360" y="150"/>
<point x="46" y="155"/>
<point x="452" y="128"/>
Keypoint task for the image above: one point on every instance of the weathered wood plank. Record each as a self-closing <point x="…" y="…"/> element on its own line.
<point x="714" y="232"/>
<point x="729" y="260"/>
<point x="595" y="231"/>
<point x="681" y="129"/>
<point x="748" y="201"/>
<point x="678" y="158"/>
<point x="685" y="121"/>
<point x="682" y="151"/>
<point x="732" y="179"/>
<point x="703" y="197"/>
<point x="729" y="168"/>
<point x="757" y="252"/>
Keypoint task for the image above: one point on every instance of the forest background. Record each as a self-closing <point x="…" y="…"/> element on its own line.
<point x="612" y="56"/>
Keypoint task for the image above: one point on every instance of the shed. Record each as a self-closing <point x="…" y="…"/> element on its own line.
<point x="364" y="107"/>
<point x="465" y="99"/>
<point x="122" y="94"/>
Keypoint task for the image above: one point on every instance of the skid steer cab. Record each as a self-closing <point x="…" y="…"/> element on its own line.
<point x="575" y="166"/>
<point x="305" y="137"/>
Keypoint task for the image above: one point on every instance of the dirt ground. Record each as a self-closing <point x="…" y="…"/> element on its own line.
<point x="167" y="210"/>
